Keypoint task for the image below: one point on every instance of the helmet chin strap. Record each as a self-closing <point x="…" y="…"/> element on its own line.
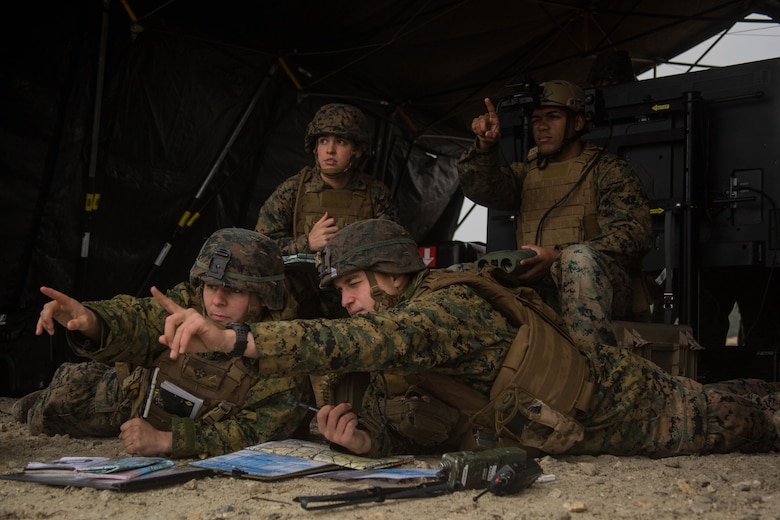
<point x="543" y="160"/>
<point x="331" y="175"/>
<point x="255" y="310"/>
<point x="382" y="300"/>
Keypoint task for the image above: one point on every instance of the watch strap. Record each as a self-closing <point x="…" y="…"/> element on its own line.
<point x="242" y="332"/>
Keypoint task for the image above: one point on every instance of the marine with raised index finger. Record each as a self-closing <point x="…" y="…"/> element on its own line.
<point x="582" y="210"/>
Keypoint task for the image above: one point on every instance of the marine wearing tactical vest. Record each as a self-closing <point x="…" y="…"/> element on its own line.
<point x="583" y="210"/>
<point x="316" y="197"/>
<point x="307" y="208"/>
<point x="543" y="381"/>
<point x="130" y="387"/>
<point x="558" y="202"/>
<point x="535" y="389"/>
<point x="227" y="259"/>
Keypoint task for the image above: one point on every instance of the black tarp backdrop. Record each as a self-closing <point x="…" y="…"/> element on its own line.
<point x="174" y="87"/>
<point x="193" y="136"/>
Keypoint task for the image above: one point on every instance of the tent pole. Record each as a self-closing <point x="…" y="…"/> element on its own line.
<point x="92" y="195"/>
<point x="191" y="214"/>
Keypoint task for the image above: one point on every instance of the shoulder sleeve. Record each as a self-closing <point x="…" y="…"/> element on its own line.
<point x="623" y="211"/>
<point x="486" y="182"/>
<point x="133" y="327"/>
<point x="275" y="218"/>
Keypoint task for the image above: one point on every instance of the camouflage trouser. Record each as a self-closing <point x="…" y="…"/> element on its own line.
<point x="742" y="414"/>
<point x="642" y="410"/>
<point x="82" y="400"/>
<point x="589" y="289"/>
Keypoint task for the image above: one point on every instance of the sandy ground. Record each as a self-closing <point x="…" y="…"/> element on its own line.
<point x="733" y="486"/>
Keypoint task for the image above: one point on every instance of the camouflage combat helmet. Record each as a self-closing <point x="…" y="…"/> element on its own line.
<point x="245" y="260"/>
<point x="562" y="93"/>
<point x="338" y="119"/>
<point x="369" y="245"/>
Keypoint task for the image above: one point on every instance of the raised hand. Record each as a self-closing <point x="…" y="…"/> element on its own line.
<point x="69" y="313"/>
<point x="487" y="127"/>
<point x="187" y="330"/>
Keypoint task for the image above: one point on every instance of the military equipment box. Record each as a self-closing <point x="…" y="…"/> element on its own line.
<point x="672" y="347"/>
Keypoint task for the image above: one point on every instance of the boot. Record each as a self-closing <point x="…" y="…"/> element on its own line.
<point x="23" y="405"/>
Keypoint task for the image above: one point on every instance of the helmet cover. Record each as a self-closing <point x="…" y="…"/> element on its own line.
<point x="341" y="120"/>
<point x="245" y="260"/>
<point x="379" y="245"/>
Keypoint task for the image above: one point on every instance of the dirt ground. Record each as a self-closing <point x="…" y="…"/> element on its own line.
<point x="733" y="486"/>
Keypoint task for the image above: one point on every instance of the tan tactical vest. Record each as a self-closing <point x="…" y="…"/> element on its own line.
<point x="222" y="383"/>
<point x="346" y="206"/>
<point x="544" y="382"/>
<point x="573" y="222"/>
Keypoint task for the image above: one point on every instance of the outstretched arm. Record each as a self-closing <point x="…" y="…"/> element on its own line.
<point x="69" y="313"/>
<point x="187" y="330"/>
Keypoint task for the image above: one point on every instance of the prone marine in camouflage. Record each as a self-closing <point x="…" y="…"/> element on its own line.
<point x="241" y="408"/>
<point x="294" y="214"/>
<point x="582" y="209"/>
<point x="451" y="334"/>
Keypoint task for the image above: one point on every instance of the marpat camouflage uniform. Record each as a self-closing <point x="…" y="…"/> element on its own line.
<point x="590" y="282"/>
<point x="239" y="407"/>
<point x="295" y="206"/>
<point x="276" y="216"/>
<point x="87" y="399"/>
<point x="638" y="409"/>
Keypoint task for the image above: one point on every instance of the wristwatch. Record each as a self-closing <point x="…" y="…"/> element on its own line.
<point x="242" y="330"/>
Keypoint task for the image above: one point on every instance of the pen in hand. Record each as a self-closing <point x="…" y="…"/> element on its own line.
<point x="296" y="402"/>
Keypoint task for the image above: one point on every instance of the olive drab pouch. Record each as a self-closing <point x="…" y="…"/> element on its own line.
<point x="135" y="387"/>
<point x="199" y="387"/>
<point x="335" y="388"/>
<point x="541" y="387"/>
<point x="420" y="417"/>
